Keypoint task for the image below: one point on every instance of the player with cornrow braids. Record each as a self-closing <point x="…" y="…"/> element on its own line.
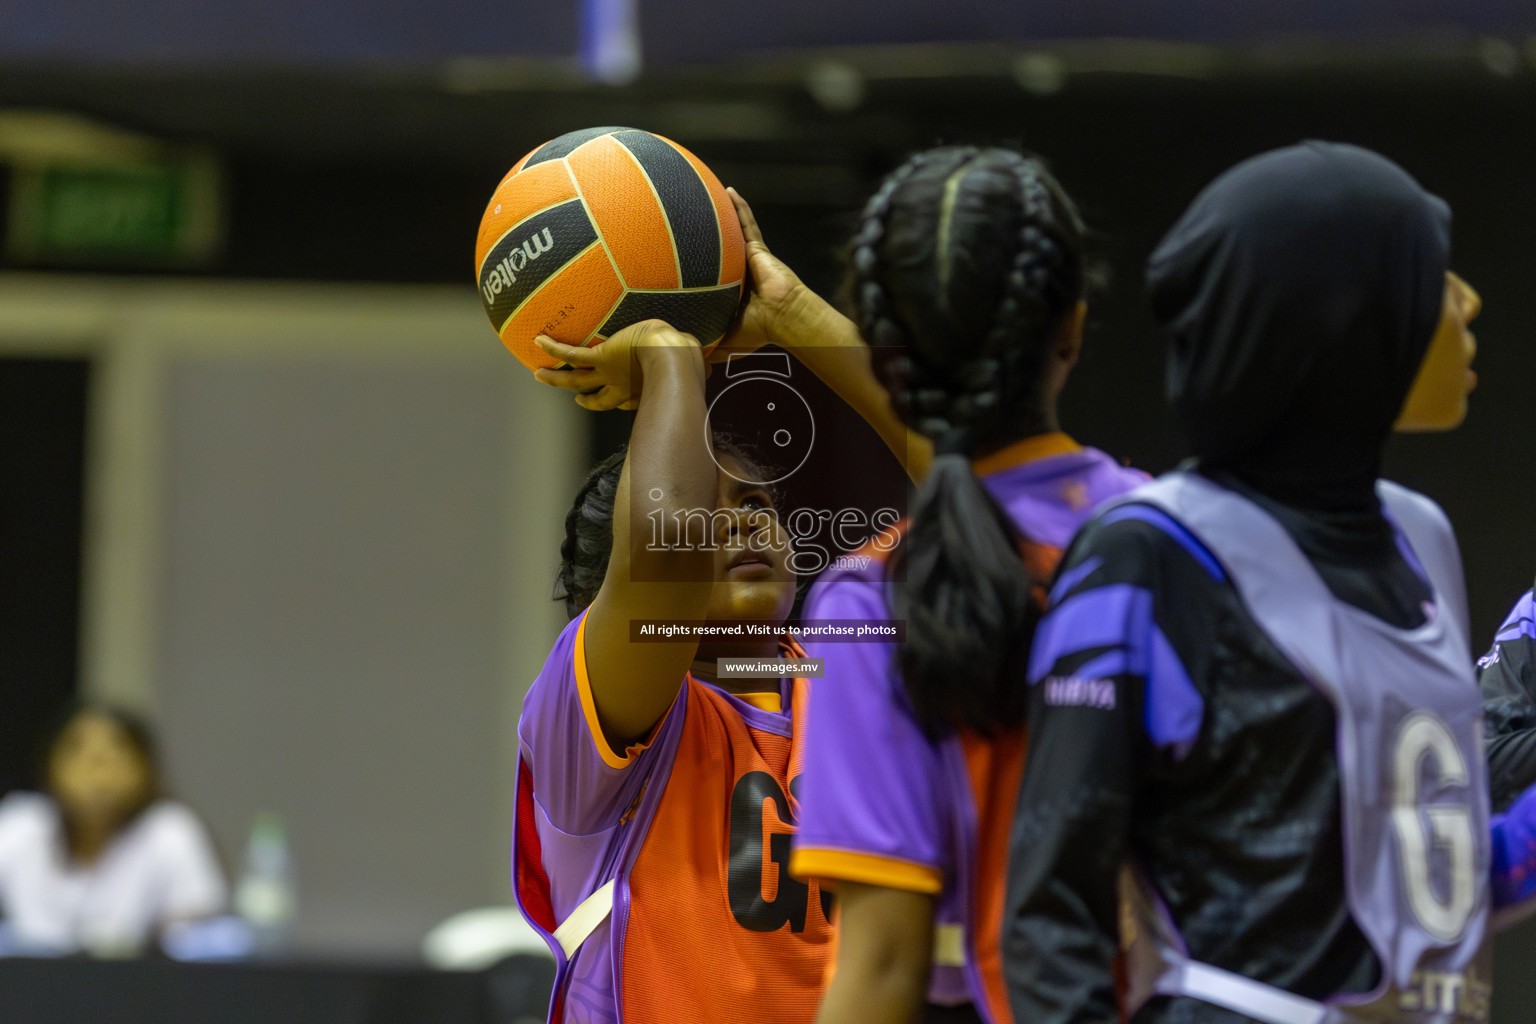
<point x="972" y="263"/>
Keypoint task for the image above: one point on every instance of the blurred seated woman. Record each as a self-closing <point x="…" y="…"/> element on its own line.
<point x="101" y="862"/>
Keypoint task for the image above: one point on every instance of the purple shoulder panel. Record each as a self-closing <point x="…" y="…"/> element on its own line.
<point x="1521" y="621"/>
<point x="579" y="791"/>
<point x="1050" y="498"/>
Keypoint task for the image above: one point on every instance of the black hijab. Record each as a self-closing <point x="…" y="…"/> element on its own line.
<point x="1300" y="290"/>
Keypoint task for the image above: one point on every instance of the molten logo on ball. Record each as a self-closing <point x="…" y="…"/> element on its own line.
<point x="504" y="274"/>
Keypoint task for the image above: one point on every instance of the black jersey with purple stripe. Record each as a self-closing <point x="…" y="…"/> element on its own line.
<point x="1169" y="731"/>
<point x="1507" y="677"/>
<point x="1208" y="740"/>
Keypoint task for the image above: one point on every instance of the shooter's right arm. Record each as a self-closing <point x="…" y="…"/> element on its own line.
<point x="669" y="470"/>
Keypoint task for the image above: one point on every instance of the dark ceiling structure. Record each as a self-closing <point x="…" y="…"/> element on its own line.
<point x="676" y="32"/>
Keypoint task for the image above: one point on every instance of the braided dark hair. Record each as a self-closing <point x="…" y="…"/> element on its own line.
<point x="588" y="542"/>
<point x="970" y="261"/>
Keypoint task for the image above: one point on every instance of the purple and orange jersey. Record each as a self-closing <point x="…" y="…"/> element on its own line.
<point x="883" y="804"/>
<point x="693" y="826"/>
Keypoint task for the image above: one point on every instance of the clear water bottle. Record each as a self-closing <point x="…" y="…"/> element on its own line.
<point x="264" y="895"/>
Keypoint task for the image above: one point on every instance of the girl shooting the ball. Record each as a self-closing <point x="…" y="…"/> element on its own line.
<point x="655" y="799"/>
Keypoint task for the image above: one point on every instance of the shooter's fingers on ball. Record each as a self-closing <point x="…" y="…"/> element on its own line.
<point x="572" y="354"/>
<point x="749" y="229"/>
<point x="607" y="398"/>
<point x="651" y="334"/>
<point x="570" y="378"/>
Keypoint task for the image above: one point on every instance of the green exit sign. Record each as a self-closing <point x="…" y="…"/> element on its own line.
<point x="143" y="214"/>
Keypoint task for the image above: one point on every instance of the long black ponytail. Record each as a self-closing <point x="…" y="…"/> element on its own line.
<point x="969" y="260"/>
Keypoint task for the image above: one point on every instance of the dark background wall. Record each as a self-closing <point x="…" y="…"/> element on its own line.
<point x="42" y="441"/>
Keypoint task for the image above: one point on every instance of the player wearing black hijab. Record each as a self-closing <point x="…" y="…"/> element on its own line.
<point x="1252" y="694"/>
